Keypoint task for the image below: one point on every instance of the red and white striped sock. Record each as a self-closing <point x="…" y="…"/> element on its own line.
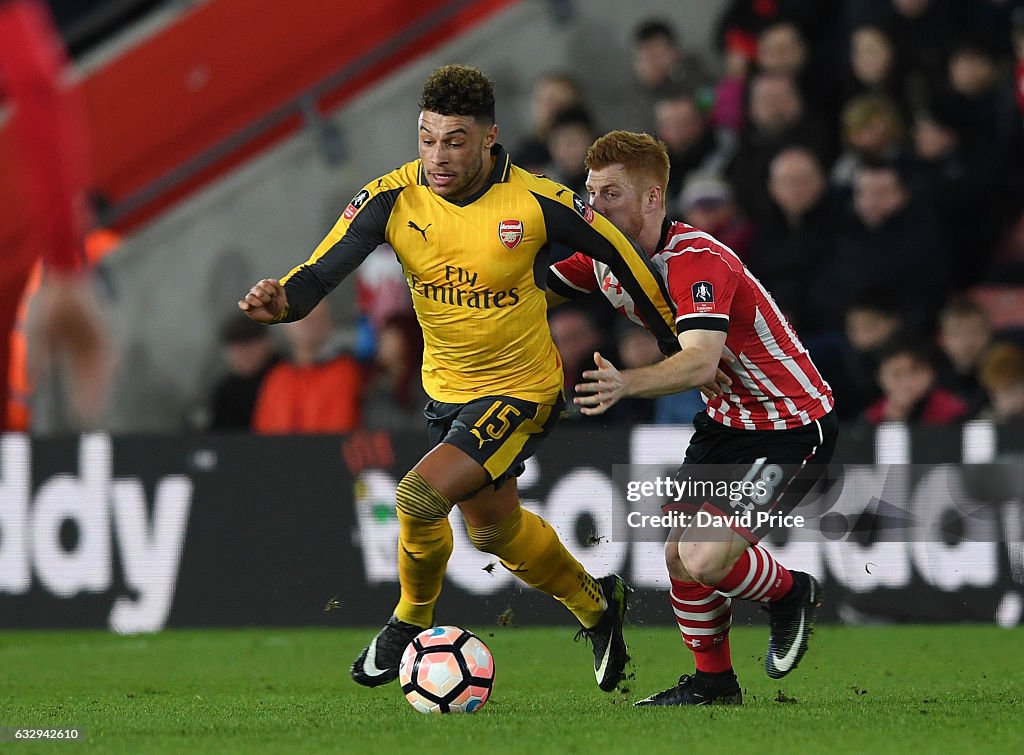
<point x="704" y="617"/>
<point x="757" y="576"/>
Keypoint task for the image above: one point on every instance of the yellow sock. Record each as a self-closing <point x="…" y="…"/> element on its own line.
<point x="424" y="547"/>
<point x="423" y="551"/>
<point x="529" y="548"/>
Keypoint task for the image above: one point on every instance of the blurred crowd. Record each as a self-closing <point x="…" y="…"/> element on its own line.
<point x="865" y="158"/>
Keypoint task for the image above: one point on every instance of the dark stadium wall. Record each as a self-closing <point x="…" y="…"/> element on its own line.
<point x="138" y="534"/>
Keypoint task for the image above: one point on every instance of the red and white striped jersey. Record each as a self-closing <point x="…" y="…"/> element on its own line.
<point x="775" y="385"/>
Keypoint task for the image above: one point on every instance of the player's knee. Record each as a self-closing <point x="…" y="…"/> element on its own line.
<point x="674" y="562"/>
<point x="493" y="538"/>
<point x="415" y="497"/>
<point x="705" y="562"/>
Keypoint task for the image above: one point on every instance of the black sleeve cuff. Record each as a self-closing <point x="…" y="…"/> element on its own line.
<point x="720" y="324"/>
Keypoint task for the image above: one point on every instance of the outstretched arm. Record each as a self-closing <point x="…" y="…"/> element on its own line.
<point x="359" y="230"/>
<point x="696" y="366"/>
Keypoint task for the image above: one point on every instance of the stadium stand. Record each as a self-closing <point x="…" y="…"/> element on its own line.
<point x="220" y="164"/>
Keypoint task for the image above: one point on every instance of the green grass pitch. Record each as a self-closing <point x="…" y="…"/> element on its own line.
<point x="891" y="689"/>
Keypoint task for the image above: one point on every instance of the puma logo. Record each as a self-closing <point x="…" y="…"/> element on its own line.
<point x="560" y="192"/>
<point x="423" y="231"/>
<point x="479" y="437"/>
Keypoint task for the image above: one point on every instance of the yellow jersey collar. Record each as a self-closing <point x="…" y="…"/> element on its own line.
<point x="499" y="174"/>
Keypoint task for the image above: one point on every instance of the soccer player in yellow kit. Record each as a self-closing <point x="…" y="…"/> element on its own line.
<point x="471" y="231"/>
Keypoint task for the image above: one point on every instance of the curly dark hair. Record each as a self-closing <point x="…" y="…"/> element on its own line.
<point x="459" y="90"/>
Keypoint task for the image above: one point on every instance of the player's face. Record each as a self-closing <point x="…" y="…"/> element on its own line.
<point x="614" y="195"/>
<point x="455" y="151"/>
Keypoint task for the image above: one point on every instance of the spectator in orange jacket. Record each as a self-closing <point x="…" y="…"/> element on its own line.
<point x="315" y="390"/>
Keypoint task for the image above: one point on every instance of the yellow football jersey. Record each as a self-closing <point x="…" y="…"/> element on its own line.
<point x="476" y="270"/>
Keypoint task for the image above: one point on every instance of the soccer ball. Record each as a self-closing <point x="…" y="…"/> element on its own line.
<point x="446" y="670"/>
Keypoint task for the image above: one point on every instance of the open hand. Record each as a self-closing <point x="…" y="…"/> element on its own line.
<point x="603" y="387"/>
<point x="717" y="387"/>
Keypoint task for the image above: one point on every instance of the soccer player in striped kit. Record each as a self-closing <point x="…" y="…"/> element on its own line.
<point x="770" y="418"/>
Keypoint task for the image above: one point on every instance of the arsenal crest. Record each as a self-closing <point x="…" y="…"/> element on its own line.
<point x="510" y="232"/>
